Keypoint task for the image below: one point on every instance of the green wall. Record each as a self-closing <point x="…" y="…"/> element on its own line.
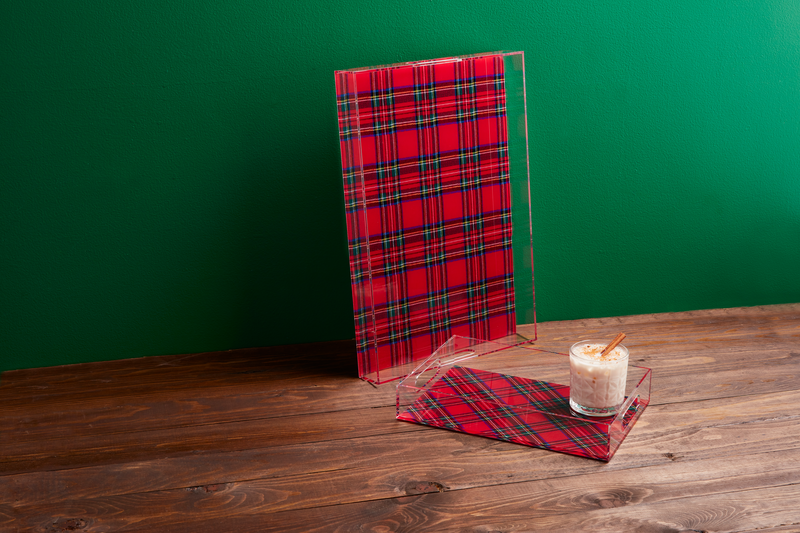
<point x="170" y="172"/>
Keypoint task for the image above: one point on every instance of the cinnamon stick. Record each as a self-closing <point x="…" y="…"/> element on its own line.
<point x="618" y="339"/>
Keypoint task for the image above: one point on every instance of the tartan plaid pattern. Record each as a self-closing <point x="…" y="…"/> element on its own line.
<point x="425" y="165"/>
<point x="499" y="406"/>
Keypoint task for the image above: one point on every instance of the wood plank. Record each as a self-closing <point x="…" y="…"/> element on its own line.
<point x="241" y="366"/>
<point x="126" y="436"/>
<point x="56" y="377"/>
<point x="726" y="512"/>
<point x="717" y="375"/>
<point x="606" y="508"/>
<point x="99" y="431"/>
<point x="167" y="409"/>
<point x="103" y="449"/>
<point x="783" y="528"/>
<point x="671" y="433"/>
<point x="215" y="378"/>
<point x="597" y="500"/>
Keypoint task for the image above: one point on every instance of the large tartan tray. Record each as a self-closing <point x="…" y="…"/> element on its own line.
<point x="428" y="204"/>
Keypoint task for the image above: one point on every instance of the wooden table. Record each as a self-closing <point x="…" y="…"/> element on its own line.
<point x="288" y="439"/>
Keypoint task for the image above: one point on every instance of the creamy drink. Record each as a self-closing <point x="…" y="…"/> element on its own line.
<point x="597" y="382"/>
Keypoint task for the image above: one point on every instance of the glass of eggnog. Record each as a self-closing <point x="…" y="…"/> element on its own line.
<point x="596" y="381"/>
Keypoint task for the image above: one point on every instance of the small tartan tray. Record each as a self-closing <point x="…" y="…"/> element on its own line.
<point x="445" y="394"/>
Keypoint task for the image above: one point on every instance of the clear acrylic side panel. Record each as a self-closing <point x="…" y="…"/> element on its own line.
<point x="517" y="394"/>
<point x="435" y="168"/>
<point x="519" y="168"/>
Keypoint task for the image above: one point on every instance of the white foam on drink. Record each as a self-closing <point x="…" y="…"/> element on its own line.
<point x="593" y="351"/>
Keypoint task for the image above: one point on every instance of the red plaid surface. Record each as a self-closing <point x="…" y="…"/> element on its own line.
<point x="425" y="167"/>
<point x="520" y="410"/>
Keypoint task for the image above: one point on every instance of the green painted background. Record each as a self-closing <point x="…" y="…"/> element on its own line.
<point x="170" y="172"/>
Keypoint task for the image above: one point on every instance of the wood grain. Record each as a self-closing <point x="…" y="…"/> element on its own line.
<point x="287" y="439"/>
<point x="455" y="457"/>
